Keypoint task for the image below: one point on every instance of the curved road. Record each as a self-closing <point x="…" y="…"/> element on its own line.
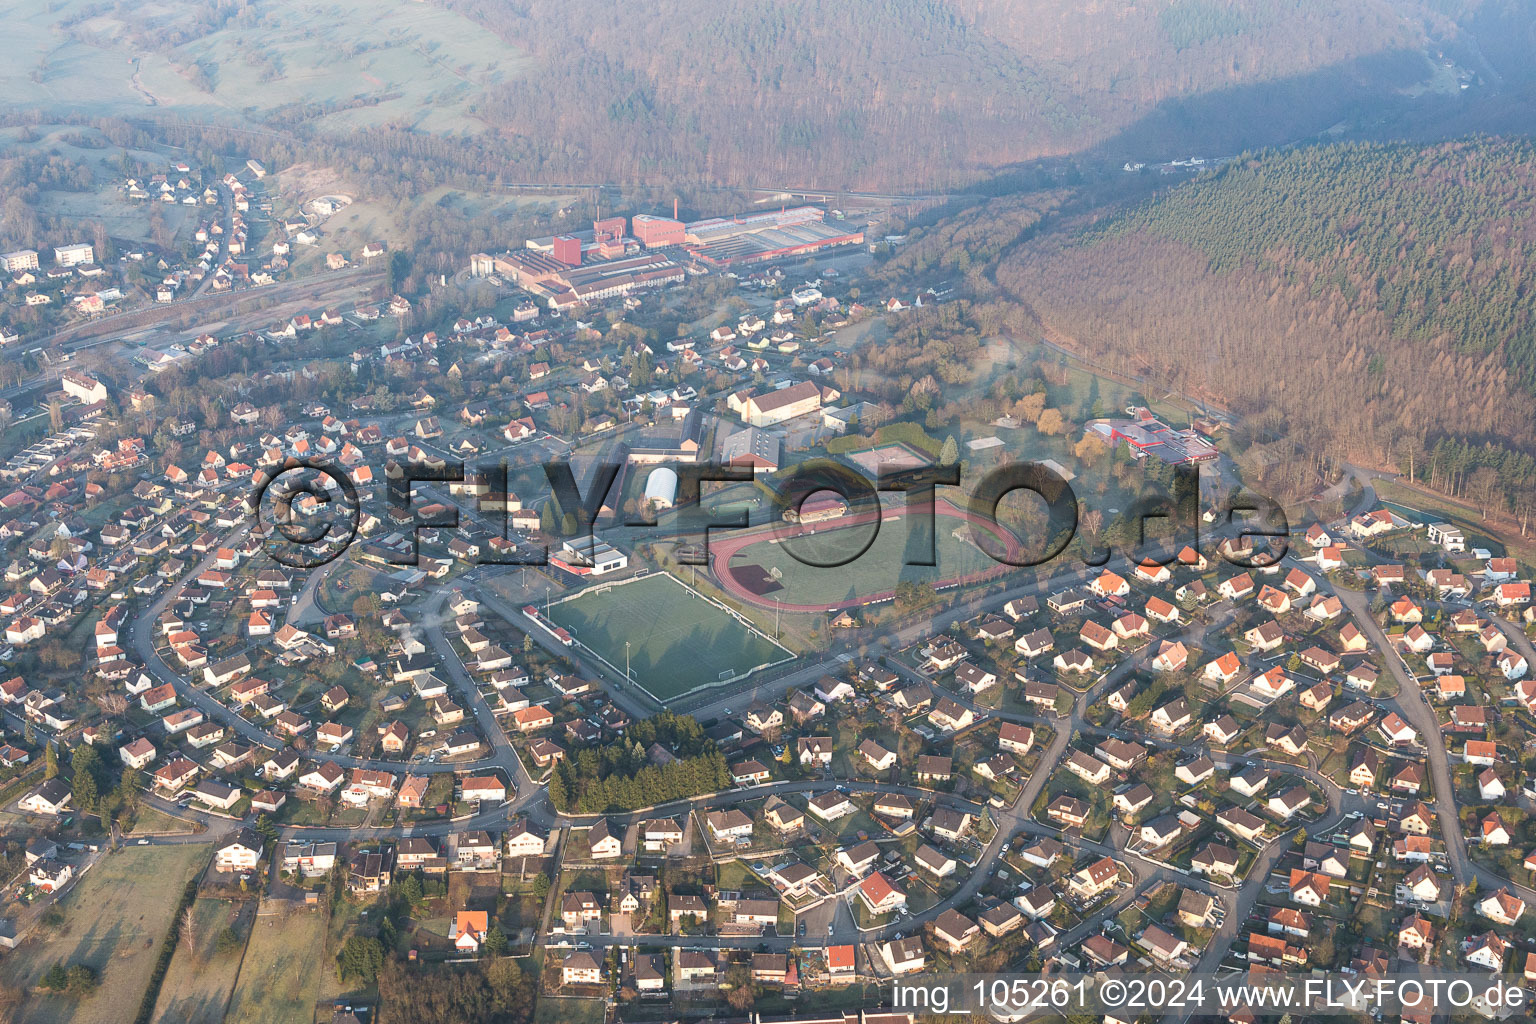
<point x="531" y="800"/>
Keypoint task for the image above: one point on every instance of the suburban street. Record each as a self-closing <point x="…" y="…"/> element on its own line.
<point x="531" y="801"/>
<point x="1207" y="631"/>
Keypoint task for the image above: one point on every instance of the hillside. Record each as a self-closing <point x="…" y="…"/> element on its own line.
<point x="908" y="93"/>
<point x="885" y="94"/>
<point x="1366" y="301"/>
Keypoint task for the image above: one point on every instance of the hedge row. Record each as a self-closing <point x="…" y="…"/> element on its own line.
<point x="167" y="950"/>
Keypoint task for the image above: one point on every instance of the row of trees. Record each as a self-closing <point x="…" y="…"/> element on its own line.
<point x="1491" y="475"/>
<point x="76" y="979"/>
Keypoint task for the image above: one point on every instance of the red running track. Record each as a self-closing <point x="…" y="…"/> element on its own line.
<point x="721" y="551"/>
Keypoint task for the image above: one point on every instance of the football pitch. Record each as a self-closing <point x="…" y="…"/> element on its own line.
<point x="678" y="639"/>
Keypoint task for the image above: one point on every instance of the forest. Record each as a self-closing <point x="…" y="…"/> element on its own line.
<point x="496" y="992"/>
<point x="798" y="91"/>
<point x="1438" y="239"/>
<point x="882" y="94"/>
<point x="1351" y="302"/>
<point x="623" y="776"/>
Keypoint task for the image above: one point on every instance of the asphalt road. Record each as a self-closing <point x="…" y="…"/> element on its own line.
<point x="1237" y="901"/>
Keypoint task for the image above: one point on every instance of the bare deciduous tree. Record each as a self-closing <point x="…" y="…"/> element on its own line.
<point x="189" y="932"/>
<point x="112" y="703"/>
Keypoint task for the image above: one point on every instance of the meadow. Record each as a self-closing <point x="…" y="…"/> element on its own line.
<point x="198" y="985"/>
<point x="115" y="918"/>
<point x="281" y="974"/>
<point x="397" y="62"/>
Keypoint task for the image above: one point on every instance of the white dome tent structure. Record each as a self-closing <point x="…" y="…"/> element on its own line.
<point x="661" y="487"/>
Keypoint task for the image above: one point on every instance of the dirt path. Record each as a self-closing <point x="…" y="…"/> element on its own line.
<point x="150" y="99"/>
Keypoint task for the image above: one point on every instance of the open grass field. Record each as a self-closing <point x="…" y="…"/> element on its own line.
<point x="416" y="62"/>
<point x="149" y="821"/>
<point x="114" y="921"/>
<point x="197" y="987"/>
<point x="1422" y="506"/>
<point x="756" y="568"/>
<point x="123" y="218"/>
<point x="281" y="974"/>
<point x="569" y="1010"/>
<point x="678" y="640"/>
<point x="80" y="144"/>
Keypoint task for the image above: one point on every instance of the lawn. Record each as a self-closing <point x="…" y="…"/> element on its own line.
<point x="280" y="976"/>
<point x="569" y="1010"/>
<point x="733" y="874"/>
<point x="678" y="640"/>
<point x="1422" y="505"/>
<point x="114" y="921"/>
<point x="197" y="987"/>
<point x="148" y="820"/>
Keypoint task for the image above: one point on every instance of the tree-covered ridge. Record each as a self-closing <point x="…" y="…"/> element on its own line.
<point x="786" y="90"/>
<point x="888" y="95"/>
<point x="903" y="93"/>
<point x="1346" y="302"/>
<point x="1441" y="240"/>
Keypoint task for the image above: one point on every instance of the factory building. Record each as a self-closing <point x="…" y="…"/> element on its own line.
<point x="606" y="240"/>
<point x="580" y="267"/>
<point x="568" y="250"/>
<point x="565" y="285"/>
<point x="753" y="238"/>
<point x="654" y="232"/>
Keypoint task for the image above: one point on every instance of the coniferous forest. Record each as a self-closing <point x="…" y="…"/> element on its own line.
<point x="1366" y="303"/>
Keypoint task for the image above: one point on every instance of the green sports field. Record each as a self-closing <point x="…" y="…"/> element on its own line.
<point x="757" y="568"/>
<point x="678" y="640"/>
